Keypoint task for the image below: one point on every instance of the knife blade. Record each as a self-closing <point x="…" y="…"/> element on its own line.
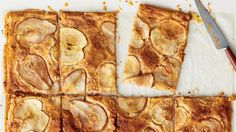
<point x="216" y="34"/>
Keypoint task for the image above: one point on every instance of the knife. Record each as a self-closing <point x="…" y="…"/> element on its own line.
<point x="216" y="35"/>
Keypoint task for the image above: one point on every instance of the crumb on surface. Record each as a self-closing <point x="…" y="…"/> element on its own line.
<point x="209" y="7"/>
<point x="215" y="38"/>
<point x="196" y="18"/>
<point x="190" y="5"/>
<point x="221" y="93"/>
<point x="130" y="2"/>
<point x="119" y="9"/>
<point x="179" y="7"/>
<point x="104" y="8"/>
<point x="50" y="8"/>
<point x="66" y="4"/>
<point x="118" y="38"/>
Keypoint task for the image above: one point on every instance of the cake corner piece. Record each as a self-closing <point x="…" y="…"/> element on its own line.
<point x="28" y="48"/>
<point x="203" y="113"/>
<point x="25" y="113"/>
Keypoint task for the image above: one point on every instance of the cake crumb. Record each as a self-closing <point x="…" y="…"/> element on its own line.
<point x="104" y="8"/>
<point x="118" y="39"/>
<point x="190" y="5"/>
<point x="179" y="93"/>
<point x="197" y="18"/>
<point x="50" y="8"/>
<point x="130" y="2"/>
<point x="179" y="7"/>
<point x="66" y="4"/>
<point x="209" y="7"/>
<point x="119" y="9"/>
<point x="193" y="92"/>
<point x="221" y="93"/>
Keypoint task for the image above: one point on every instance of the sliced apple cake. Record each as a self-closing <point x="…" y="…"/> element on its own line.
<point x="90" y="113"/>
<point x="139" y="114"/>
<point x="33" y="113"/>
<point x="87" y="52"/>
<point x="198" y="114"/>
<point x="31" y="52"/>
<point x="156" y="49"/>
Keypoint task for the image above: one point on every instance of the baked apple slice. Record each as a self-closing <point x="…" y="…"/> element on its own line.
<point x="72" y="42"/>
<point x="32" y="30"/>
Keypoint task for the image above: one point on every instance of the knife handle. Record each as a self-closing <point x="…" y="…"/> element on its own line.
<point x="231" y="57"/>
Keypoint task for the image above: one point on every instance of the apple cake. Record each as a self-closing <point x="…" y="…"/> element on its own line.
<point x="32" y="113"/>
<point x="88" y="52"/>
<point x="90" y="113"/>
<point x="139" y="114"/>
<point x="31" y="52"/>
<point x="156" y="49"/>
<point x="197" y="114"/>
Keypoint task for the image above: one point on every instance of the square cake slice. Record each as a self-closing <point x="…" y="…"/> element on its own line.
<point x="30" y="55"/>
<point x="88" y="52"/>
<point x="32" y="113"/>
<point x="197" y="114"/>
<point x="139" y="114"/>
<point x="90" y="113"/>
<point x="156" y="49"/>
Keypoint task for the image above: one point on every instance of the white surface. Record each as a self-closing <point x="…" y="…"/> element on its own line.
<point x="205" y="71"/>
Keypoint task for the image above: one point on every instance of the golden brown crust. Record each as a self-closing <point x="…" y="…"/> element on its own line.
<point x="159" y="35"/>
<point x="203" y="113"/>
<point x="16" y="50"/>
<point x="151" y="15"/>
<point x="99" y="49"/>
<point x="75" y="120"/>
<point x="51" y="106"/>
<point x="7" y="107"/>
<point x="142" y="114"/>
